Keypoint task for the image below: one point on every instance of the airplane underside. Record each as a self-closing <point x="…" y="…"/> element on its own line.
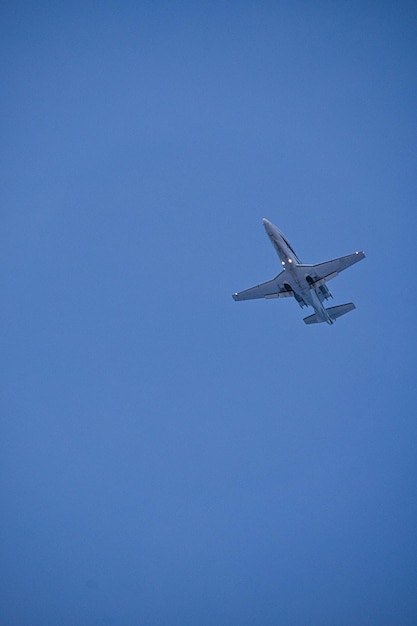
<point x="305" y="283"/>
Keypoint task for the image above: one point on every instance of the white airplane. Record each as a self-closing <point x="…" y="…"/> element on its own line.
<point x="307" y="283"/>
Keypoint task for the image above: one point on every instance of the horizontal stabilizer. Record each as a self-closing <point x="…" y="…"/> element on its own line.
<point x="333" y="312"/>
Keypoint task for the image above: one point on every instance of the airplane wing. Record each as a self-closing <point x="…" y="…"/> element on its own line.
<point x="322" y="272"/>
<point x="274" y="288"/>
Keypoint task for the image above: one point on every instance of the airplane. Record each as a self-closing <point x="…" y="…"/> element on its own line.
<point x="306" y="283"/>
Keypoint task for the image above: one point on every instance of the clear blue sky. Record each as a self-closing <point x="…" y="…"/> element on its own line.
<point x="168" y="456"/>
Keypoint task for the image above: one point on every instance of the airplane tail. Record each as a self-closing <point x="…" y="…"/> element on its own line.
<point x="333" y="311"/>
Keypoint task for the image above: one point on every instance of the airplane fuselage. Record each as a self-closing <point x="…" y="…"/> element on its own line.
<point x="299" y="282"/>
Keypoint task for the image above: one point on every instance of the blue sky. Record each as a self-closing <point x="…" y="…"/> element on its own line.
<point x="170" y="456"/>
